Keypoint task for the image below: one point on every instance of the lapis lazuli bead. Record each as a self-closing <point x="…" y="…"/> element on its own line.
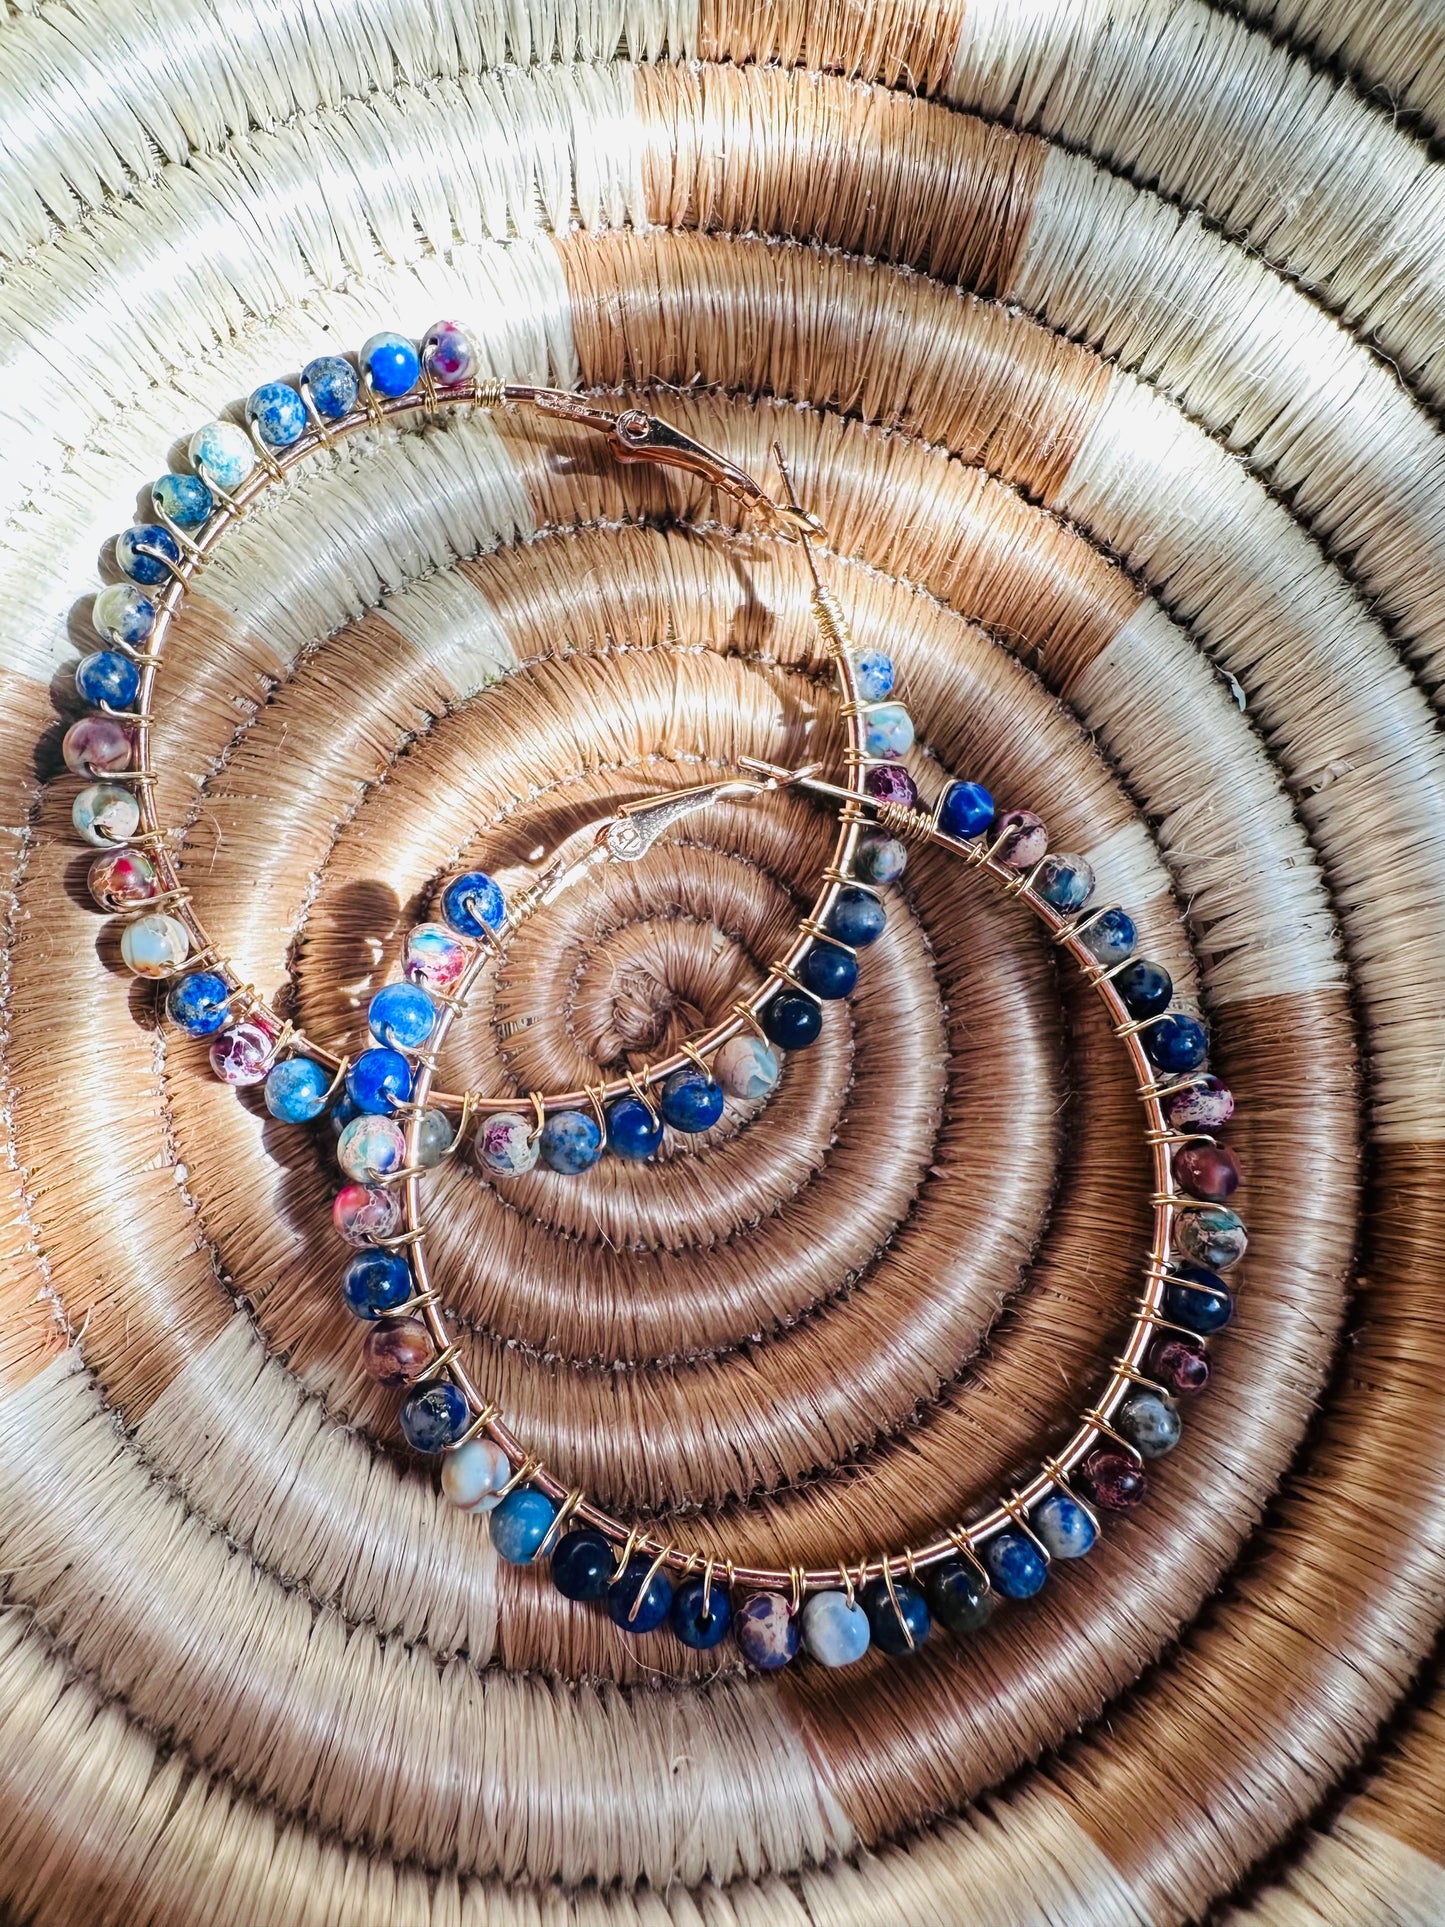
<point x="633" y="1130"/>
<point x="434" y="1415"/>
<point x="147" y="569"/>
<point x="887" y="732"/>
<point x="1144" y="987"/>
<point x="582" y="1563"/>
<point x="378" y="1081"/>
<point x="278" y="412"/>
<point x="834" y="1632"/>
<point x="896" y="1628"/>
<point x="1176" y="1043"/>
<point x="376" y="1282"/>
<point x="185" y="499"/>
<point x="695" y="1628"/>
<point x="200" y="1003"/>
<point x="107" y="677"/>
<point x="857" y="917"/>
<point x="1110" y="938"/>
<point x="1150" y="1424"/>
<point x="690" y="1101"/>
<point x="402" y="1016"/>
<point x="966" y="811"/>
<point x="571" y="1142"/>
<point x="392" y="362"/>
<point x="472" y="904"/>
<point x="635" y="1607"/>
<point x="520" y="1523"/>
<point x="123" y="613"/>
<point x="828" y="971"/>
<point x="331" y="382"/>
<point x="224" y="454"/>
<point x="1015" y="1565"/>
<point x="295" y="1089"/>
<point x="1064" y="1526"/>
<point x="1064" y="882"/>
<point x="958" y="1596"/>
<point x="1197" y="1298"/>
<point x="791" y="1020"/>
<point x="879" y="858"/>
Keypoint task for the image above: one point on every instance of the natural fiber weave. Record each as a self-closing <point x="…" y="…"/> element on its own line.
<point x="1106" y="338"/>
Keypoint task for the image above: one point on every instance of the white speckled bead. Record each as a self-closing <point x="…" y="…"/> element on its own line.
<point x="747" y="1067"/>
<point x="1064" y="1526"/>
<point x="223" y="454"/>
<point x="835" y="1633"/>
<point x="155" y="946"/>
<point x="887" y="731"/>
<point x="434" y="1134"/>
<point x="123" y="612"/>
<point x="506" y="1145"/>
<point x="474" y="1474"/>
<point x="105" y="814"/>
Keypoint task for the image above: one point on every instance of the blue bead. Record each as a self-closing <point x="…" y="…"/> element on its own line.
<point x="343" y="1111"/>
<point x="378" y="1081"/>
<point x="632" y="1129"/>
<point x="1145" y="988"/>
<point x="1110" y="938"/>
<point x="571" y="1142"/>
<point x="121" y="613"/>
<point x="694" y="1627"/>
<point x="401" y="1015"/>
<point x="967" y="810"/>
<point x="875" y="675"/>
<point x="857" y="917"/>
<point x="472" y="904"/>
<point x="520" y="1523"/>
<point x="1015" y="1565"/>
<point x="835" y="1632"/>
<point x="1176" y="1043"/>
<point x="392" y="362"/>
<point x="199" y="1003"/>
<point x="146" y="568"/>
<point x="828" y="971"/>
<point x="1064" y="1526"/>
<point x="107" y="677"/>
<point x="901" y="1629"/>
<point x="432" y="1416"/>
<point x="689" y="1101"/>
<point x="184" y="498"/>
<point x="888" y="731"/>
<point x="652" y="1601"/>
<point x="1197" y="1298"/>
<point x="791" y="1020"/>
<point x="278" y="412"/>
<point x="1064" y="882"/>
<point x="332" y="384"/>
<point x="582" y="1563"/>
<point x="376" y="1282"/>
<point x="295" y="1089"/>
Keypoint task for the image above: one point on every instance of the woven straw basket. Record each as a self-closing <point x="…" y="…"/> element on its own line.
<point x="1107" y="337"/>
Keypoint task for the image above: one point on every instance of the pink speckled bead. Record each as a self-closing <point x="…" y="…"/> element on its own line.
<point x="1021" y="840"/>
<point x="447" y="353"/>
<point x="242" y="1054"/>
<point x="97" y="746"/>
<point x="363" y="1212"/>
<point x="434" y="956"/>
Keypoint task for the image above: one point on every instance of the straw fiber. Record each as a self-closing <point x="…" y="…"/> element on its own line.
<point x="1105" y="338"/>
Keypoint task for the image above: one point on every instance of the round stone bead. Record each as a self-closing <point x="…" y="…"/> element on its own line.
<point x="371" y="1148"/>
<point x="107" y="677"/>
<point x="689" y="1101"/>
<point x="447" y="353"/>
<point x="1110" y="938"/>
<point x="123" y="613"/>
<point x="1149" y="1423"/>
<point x="1114" y="1480"/>
<point x="1177" y="1043"/>
<point x="879" y="858"/>
<point x="746" y="1067"/>
<point x="1206" y="1106"/>
<point x="966" y="811"/>
<point x="394" y="1350"/>
<point x="875" y="673"/>
<point x="1206" y="1171"/>
<point x="637" y="1607"/>
<point x="376" y="1282"/>
<point x="835" y="1633"/>
<point x="295" y="1089"/>
<point x="473" y="1474"/>
<point x="1197" y="1298"/>
<point x="891" y="783"/>
<point x="507" y="1144"/>
<point x="96" y="746"/>
<point x="434" y="1134"/>
<point x="958" y="1597"/>
<point x="242" y="1054"/>
<point x="1015" y="1565"/>
<point x="1144" y="987"/>
<point x="766" y="1631"/>
<point x="331" y="382"/>
<point x="1213" y="1236"/>
<point x="828" y="971"/>
<point x="582" y="1564"/>
<point x="520" y="1523"/>
<point x="185" y="499"/>
<point x="896" y="1629"/>
<point x="857" y="917"/>
<point x="1180" y="1365"/>
<point x="1065" y="883"/>
<point x="392" y="363"/>
<point x="472" y="904"/>
<point x="156" y="945"/>
<point x="434" y="957"/>
<point x="791" y="1020"/>
<point x="200" y="1003"/>
<point x="363" y="1213"/>
<point x="278" y="413"/>
<point x="571" y="1142"/>
<point x="121" y="879"/>
<point x="379" y="1080"/>
<point x="131" y="559"/>
<point x="887" y="731"/>
<point x="342" y="1111"/>
<point x="433" y="1415"/>
<point x="699" y="1629"/>
<point x="633" y="1130"/>
<point x="1064" y="1526"/>
<point x="1021" y="838"/>
<point x="223" y="454"/>
<point x="402" y="1016"/>
<point x="105" y="814"/>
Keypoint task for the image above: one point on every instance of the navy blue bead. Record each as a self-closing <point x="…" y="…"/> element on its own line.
<point x="967" y="810"/>
<point x="702" y="1631"/>
<point x="1144" y="987"/>
<point x="199" y="1003"/>
<point x="108" y="677"/>
<point x="343" y="1111"/>
<point x="857" y="917"/>
<point x="632" y="1129"/>
<point x="893" y="1627"/>
<point x="1110" y="938"/>
<point x="520" y="1523"/>
<point x="652" y="1601"/>
<point x="582" y="1563"/>
<point x="828" y="971"/>
<point x="472" y="904"/>
<point x="376" y="1282"/>
<point x="959" y="1596"/>
<point x="689" y="1101"/>
<point x="332" y="382"/>
<point x="146" y="569"/>
<point x="1016" y="1566"/>
<point x="1176" y="1043"/>
<point x="1197" y="1298"/>
<point x="392" y="362"/>
<point x="295" y="1089"/>
<point x="791" y="1020"/>
<point x="378" y="1081"/>
<point x="432" y="1416"/>
<point x="401" y="1016"/>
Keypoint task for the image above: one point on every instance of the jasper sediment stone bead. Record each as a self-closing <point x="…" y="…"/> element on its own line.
<point x="767" y="1631"/>
<point x="396" y="1349"/>
<point x="1212" y="1236"/>
<point x="1114" y="1480"/>
<point x="1206" y="1171"/>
